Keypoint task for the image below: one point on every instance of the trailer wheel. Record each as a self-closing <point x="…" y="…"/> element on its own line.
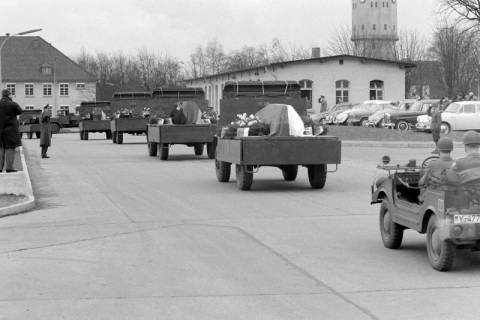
<point x="152" y="149"/>
<point x="441" y="253"/>
<point x="81" y="135"/>
<point x="222" y="169"/>
<point x="85" y="135"/>
<point x="55" y="127"/>
<point x="30" y="135"/>
<point x="108" y="135"/>
<point x="290" y="172"/>
<point x="317" y="175"/>
<point x="119" y="137"/>
<point x="391" y="232"/>
<point x="114" y="136"/>
<point x="163" y="151"/>
<point x="37" y="134"/>
<point x="198" y="149"/>
<point x="244" y="176"/>
<point x="211" y="150"/>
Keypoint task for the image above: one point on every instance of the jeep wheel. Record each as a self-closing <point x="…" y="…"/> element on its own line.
<point x="198" y="148"/>
<point x="402" y="125"/>
<point x="164" y="151"/>
<point x="441" y="253"/>
<point x="445" y="128"/>
<point x="244" y="176"/>
<point x="222" y="169"/>
<point x="391" y="232"/>
<point x="290" y="172"/>
<point x="152" y="149"/>
<point x="317" y="175"/>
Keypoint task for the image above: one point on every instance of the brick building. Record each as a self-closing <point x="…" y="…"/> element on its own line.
<point x="37" y="73"/>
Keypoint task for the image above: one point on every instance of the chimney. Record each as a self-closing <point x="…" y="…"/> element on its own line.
<point x="316" y="52"/>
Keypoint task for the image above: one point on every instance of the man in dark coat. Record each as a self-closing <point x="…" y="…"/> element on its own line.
<point x="9" y="132"/>
<point x="45" y="131"/>
<point x="435" y="125"/>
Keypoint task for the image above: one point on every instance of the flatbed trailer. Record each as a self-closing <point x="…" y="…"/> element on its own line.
<point x="127" y="125"/>
<point x="287" y="153"/>
<point x="30" y="129"/>
<point x="161" y="137"/>
<point x="86" y="126"/>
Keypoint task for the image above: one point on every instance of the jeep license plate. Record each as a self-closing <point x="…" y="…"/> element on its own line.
<point x="466" y="218"/>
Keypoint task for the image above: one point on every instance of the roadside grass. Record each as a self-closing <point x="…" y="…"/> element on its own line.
<point x="10" y="199"/>
<point x="382" y="134"/>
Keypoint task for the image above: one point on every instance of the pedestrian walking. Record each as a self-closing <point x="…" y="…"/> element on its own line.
<point x="435" y="125"/>
<point x="45" y="131"/>
<point x="9" y="131"/>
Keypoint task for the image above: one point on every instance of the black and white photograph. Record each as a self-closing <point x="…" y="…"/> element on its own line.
<point x="239" y="159"/>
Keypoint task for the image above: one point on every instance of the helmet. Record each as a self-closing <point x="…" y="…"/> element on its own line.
<point x="471" y="137"/>
<point x="445" y="144"/>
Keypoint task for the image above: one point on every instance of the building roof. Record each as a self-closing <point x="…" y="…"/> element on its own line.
<point x="318" y="60"/>
<point x="23" y="58"/>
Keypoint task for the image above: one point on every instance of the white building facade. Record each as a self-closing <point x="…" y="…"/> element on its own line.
<point x="338" y="78"/>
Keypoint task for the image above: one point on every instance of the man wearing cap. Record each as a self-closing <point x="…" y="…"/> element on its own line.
<point x="9" y="131"/>
<point x="435" y="173"/>
<point x="467" y="168"/>
<point x="435" y="124"/>
<point x="45" y="131"/>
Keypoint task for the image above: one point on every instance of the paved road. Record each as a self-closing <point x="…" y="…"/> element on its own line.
<point x="120" y="235"/>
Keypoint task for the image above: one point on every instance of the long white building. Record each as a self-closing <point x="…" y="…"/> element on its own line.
<point x="341" y="78"/>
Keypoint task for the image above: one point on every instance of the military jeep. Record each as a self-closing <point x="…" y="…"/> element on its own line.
<point x="450" y="215"/>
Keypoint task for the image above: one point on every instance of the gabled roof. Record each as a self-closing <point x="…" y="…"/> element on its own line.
<point x="401" y="64"/>
<point x="23" y="57"/>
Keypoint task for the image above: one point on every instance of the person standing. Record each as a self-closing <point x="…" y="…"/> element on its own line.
<point x="436" y="124"/>
<point x="323" y="104"/>
<point x="45" y="131"/>
<point x="9" y="131"/>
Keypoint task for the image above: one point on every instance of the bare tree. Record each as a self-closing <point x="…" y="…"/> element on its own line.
<point x="466" y="10"/>
<point x="341" y="43"/>
<point x="146" y="64"/>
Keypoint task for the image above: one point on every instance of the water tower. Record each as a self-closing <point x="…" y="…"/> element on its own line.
<point x="374" y="28"/>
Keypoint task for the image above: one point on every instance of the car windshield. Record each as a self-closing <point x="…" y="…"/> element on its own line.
<point x="416" y="107"/>
<point x="453" y="108"/>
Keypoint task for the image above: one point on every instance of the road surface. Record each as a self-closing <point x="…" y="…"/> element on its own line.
<point x="120" y="235"/>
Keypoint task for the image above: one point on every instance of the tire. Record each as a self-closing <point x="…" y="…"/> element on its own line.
<point x="164" y="151"/>
<point x="391" y="232"/>
<point x="211" y="150"/>
<point x="152" y="149"/>
<point x="120" y="137"/>
<point x="445" y="128"/>
<point x="114" y="137"/>
<point x="108" y="135"/>
<point x="244" y="176"/>
<point x="290" y="172"/>
<point x="402" y="125"/>
<point x="364" y="123"/>
<point x="55" y="128"/>
<point x="30" y="135"/>
<point x="37" y="134"/>
<point x="81" y="135"/>
<point x="222" y="169"/>
<point x="317" y="175"/>
<point x="198" y="148"/>
<point x="440" y="253"/>
<point x="85" y="135"/>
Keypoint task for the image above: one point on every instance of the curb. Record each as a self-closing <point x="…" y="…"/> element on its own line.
<point x="27" y="191"/>
<point x="392" y="144"/>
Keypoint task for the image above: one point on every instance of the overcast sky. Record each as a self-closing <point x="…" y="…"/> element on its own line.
<point x="176" y="27"/>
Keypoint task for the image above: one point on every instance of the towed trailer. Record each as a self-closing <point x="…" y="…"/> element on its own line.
<point x="30" y="124"/>
<point x="91" y="114"/>
<point x="249" y="154"/>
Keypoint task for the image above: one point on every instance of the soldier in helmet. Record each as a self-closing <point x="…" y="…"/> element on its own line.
<point x="435" y="173"/>
<point x="467" y="168"/>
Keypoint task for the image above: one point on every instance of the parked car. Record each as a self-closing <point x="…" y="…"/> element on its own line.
<point x="330" y="115"/>
<point x="461" y="116"/>
<point x="376" y="119"/>
<point x="359" y="114"/>
<point x="406" y="119"/>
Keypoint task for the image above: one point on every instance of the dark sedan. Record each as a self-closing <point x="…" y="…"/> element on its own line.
<point x="406" y="119"/>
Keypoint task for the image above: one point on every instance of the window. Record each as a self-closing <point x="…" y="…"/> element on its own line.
<point x="29" y="107"/>
<point x="64" y="110"/>
<point x="63" y="89"/>
<point x="46" y="69"/>
<point x="375" y="4"/>
<point x="384" y="27"/>
<point x="306" y="91"/>
<point x="374" y="27"/>
<point x="11" y="88"/>
<point x="28" y="89"/>
<point x="376" y="90"/>
<point x="469" y="108"/>
<point x="80" y="86"/>
<point x="363" y="27"/>
<point x="341" y="91"/>
<point x="47" y="89"/>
